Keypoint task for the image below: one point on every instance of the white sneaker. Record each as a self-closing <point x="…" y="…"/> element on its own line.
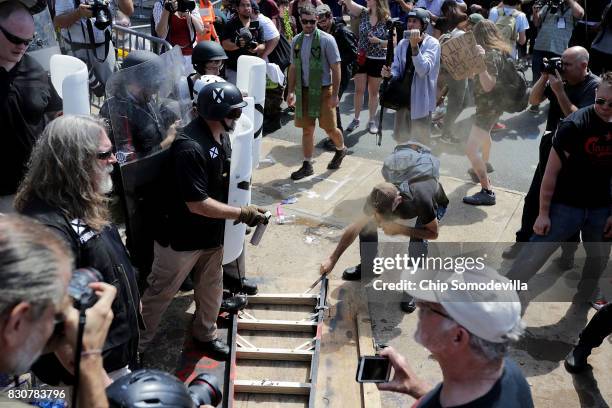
<point x="372" y="128"/>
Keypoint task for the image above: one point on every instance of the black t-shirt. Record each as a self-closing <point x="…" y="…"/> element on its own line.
<point x="200" y="170"/>
<point x="26" y="94"/>
<point x="421" y="200"/>
<point x="230" y="32"/>
<point x="509" y="391"/>
<point x="584" y="178"/>
<point x="580" y="95"/>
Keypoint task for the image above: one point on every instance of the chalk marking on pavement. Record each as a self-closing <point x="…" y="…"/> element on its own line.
<point x="334" y="190"/>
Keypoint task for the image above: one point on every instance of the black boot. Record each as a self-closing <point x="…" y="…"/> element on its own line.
<point x="233" y="304"/>
<point x="576" y="360"/>
<point x="352" y="274"/>
<point x="215" y="349"/>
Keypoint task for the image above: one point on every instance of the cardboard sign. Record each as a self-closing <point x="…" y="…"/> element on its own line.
<point x="460" y="57"/>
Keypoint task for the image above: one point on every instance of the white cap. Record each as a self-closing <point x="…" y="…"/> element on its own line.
<point x="482" y="301"/>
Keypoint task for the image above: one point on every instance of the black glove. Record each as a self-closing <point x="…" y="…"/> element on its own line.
<point x="252" y="215"/>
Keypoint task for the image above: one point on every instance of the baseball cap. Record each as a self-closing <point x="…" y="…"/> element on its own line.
<point x="323" y="9"/>
<point x="485" y="303"/>
<point x="475" y="18"/>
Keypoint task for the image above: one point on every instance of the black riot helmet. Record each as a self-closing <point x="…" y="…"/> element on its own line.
<point x="420" y="14"/>
<point x="148" y="388"/>
<point x="138" y="57"/>
<point x="220" y="100"/>
<point x="206" y="51"/>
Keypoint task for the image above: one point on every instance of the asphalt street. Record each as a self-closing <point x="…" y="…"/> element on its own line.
<point x="514" y="153"/>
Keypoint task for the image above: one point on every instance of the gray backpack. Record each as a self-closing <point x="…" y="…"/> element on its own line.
<point x="409" y="163"/>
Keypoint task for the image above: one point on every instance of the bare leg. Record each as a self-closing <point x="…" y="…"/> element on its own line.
<point x="360" y="85"/>
<point x="477" y="139"/>
<point x="308" y="141"/>
<point x="373" y="88"/>
<point x="336" y="136"/>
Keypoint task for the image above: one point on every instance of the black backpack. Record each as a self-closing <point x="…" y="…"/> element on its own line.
<point x="512" y="89"/>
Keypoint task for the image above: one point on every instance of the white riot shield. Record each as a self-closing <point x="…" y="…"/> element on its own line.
<point x="240" y="182"/>
<point x="251" y="78"/>
<point x="70" y="78"/>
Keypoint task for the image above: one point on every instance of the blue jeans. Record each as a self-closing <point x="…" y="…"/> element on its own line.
<point x="565" y="221"/>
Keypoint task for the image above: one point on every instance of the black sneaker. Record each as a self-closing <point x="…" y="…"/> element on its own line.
<point x="352" y="274"/>
<point x="215" y="349"/>
<point x="304" y="171"/>
<point x="233" y="304"/>
<point x="513" y="250"/>
<point x="336" y="161"/>
<point x="480" y="198"/>
<point x="408" y="305"/>
<point x="576" y="360"/>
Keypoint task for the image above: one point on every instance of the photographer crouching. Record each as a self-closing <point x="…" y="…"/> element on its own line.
<point x="242" y="36"/>
<point x="35" y="268"/>
<point x="86" y="29"/>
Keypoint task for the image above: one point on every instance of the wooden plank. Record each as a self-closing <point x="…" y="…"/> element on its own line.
<point x="370" y="396"/>
<point x="271" y="387"/>
<point x="276" y="325"/>
<point x="273" y="354"/>
<point x="284" y="299"/>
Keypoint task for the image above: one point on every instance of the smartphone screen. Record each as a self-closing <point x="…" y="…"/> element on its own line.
<point x="373" y="369"/>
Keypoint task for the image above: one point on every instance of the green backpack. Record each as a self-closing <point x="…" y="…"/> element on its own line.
<point x="506" y="24"/>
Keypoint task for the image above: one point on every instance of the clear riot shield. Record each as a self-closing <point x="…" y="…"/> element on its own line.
<point x="44" y="44"/>
<point x="144" y="106"/>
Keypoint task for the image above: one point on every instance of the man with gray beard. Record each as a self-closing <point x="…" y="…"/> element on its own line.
<point x="65" y="188"/>
<point x="468" y="333"/>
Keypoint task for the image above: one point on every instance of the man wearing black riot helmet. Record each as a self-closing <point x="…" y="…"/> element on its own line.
<point x="144" y="120"/>
<point x="197" y="185"/>
<point x="208" y="58"/>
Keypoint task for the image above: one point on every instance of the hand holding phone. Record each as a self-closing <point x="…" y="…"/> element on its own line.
<point x="373" y="369"/>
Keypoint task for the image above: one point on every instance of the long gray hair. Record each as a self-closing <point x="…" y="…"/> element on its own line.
<point x="30" y="257"/>
<point x="63" y="170"/>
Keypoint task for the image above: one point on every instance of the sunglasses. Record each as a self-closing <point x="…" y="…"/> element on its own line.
<point x="234" y="113"/>
<point x="428" y="308"/>
<point x="602" y="101"/>
<point x="304" y="21"/>
<point x="104" y="155"/>
<point x="324" y="16"/>
<point x="14" y="39"/>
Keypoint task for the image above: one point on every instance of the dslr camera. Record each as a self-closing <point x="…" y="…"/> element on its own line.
<point x="185" y="6"/>
<point x="549" y="65"/>
<point x="247" y="34"/>
<point x="553" y="5"/>
<point x="102" y="14"/>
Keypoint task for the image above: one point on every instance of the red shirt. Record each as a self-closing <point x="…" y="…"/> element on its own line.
<point x="179" y="34"/>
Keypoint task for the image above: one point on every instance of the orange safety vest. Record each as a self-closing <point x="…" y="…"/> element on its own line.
<point x="207" y="13"/>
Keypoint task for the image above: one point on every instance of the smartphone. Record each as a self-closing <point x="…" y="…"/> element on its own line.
<point x="373" y="369"/>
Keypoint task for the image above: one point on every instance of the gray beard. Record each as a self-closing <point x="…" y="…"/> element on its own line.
<point x="106" y="186"/>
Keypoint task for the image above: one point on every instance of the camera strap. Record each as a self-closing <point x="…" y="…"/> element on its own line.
<point x="77" y="356"/>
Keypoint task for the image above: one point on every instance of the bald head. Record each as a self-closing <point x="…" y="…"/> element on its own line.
<point x="578" y="54"/>
<point x="14" y="10"/>
<point x="17" y="31"/>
